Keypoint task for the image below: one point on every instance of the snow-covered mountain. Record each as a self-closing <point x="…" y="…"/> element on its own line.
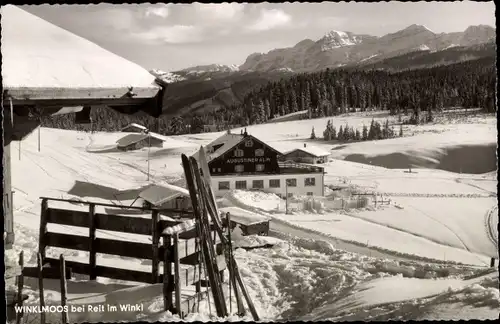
<point x="338" y="48"/>
<point x="211" y="68"/>
<point x="167" y="77"/>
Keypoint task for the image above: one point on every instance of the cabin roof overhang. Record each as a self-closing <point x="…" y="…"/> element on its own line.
<point x="47" y="66"/>
<point x="313" y="154"/>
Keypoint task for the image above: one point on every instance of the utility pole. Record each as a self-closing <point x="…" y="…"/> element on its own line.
<point x="286" y="196"/>
<point x="149" y="150"/>
<point x="39" y="129"/>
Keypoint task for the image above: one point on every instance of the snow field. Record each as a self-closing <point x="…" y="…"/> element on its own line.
<point x="318" y="260"/>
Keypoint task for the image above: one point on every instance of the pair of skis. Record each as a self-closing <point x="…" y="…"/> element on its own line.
<point x="199" y="187"/>
<point x="206" y="245"/>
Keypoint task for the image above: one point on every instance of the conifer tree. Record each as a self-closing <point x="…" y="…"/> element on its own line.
<point x="313" y="135"/>
<point x="327" y="135"/>
<point x="334" y="133"/>
<point x="371" y="130"/>
<point x="357" y="135"/>
<point x="364" y="135"/>
<point x="347" y="134"/>
<point x="340" y="134"/>
<point x="401" y="130"/>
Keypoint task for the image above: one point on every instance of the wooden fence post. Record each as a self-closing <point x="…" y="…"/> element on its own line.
<point x="20" y="285"/>
<point x="492" y="262"/>
<point x="43" y="229"/>
<point x="92" y="241"/>
<point x="177" y="280"/>
<point x="62" y="268"/>
<point x="155" y="241"/>
<point x="167" y="273"/>
<point x="40" y="287"/>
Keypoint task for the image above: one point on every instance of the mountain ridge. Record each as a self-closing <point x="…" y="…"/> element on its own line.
<point x="337" y="48"/>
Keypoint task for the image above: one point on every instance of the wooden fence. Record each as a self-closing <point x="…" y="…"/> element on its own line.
<point x="171" y="250"/>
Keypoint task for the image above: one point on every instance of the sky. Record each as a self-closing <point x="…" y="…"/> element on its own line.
<point x="171" y="37"/>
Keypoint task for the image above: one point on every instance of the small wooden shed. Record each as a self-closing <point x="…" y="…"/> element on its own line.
<point x="250" y="223"/>
<point x="137" y="141"/>
<point x="307" y="154"/>
<point x="167" y="196"/>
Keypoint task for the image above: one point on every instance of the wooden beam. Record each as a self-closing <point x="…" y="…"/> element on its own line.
<point x="47" y="272"/>
<point x="64" y="288"/>
<point x="43" y="229"/>
<point x="108" y="272"/>
<point x="107" y="246"/>
<point x="25" y="94"/>
<point x="167" y="274"/>
<point x="92" y="241"/>
<point x="155" y="244"/>
<point x="116" y="223"/>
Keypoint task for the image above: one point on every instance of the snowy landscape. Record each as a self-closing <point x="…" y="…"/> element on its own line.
<point x="435" y="238"/>
<point x="370" y="158"/>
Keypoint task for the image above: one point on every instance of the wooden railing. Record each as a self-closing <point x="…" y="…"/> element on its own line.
<point x="170" y="249"/>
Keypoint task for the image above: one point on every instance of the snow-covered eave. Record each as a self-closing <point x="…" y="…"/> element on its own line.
<point x="314" y="154"/>
<point x="45" y="65"/>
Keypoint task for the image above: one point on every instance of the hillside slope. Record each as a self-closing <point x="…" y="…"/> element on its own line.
<point x="208" y="92"/>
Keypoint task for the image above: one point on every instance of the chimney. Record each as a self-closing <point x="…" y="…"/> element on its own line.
<point x="305" y="144"/>
<point x="245" y="133"/>
<point x="241" y="132"/>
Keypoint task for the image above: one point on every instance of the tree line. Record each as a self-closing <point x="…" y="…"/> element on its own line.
<point x="470" y="84"/>
<point x="346" y="133"/>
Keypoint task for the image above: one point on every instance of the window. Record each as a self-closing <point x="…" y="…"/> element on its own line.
<point x="289" y="195"/>
<point x="216" y="147"/>
<point x="239" y="153"/>
<point x="259" y="152"/>
<point x="258" y="184"/>
<point x="219" y="170"/>
<point x="274" y="183"/>
<point x="248" y="143"/>
<point x="224" y="185"/>
<point x="259" y="167"/>
<point x="239" y="168"/>
<point x="291" y="182"/>
<point x="310" y="194"/>
<point x="214" y="170"/>
<point x="309" y="182"/>
<point x="240" y="184"/>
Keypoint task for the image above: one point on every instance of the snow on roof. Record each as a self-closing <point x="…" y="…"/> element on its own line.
<point x="38" y="54"/>
<point x="136" y="126"/>
<point x="242" y="216"/>
<point x="158" y="136"/>
<point x="313" y="150"/>
<point x="134" y="138"/>
<point x="160" y="194"/>
<point x="131" y="139"/>
<point x="228" y="141"/>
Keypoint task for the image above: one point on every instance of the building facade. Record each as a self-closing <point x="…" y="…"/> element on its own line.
<point x="307" y="154"/>
<point x="241" y="161"/>
<point x="284" y="185"/>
